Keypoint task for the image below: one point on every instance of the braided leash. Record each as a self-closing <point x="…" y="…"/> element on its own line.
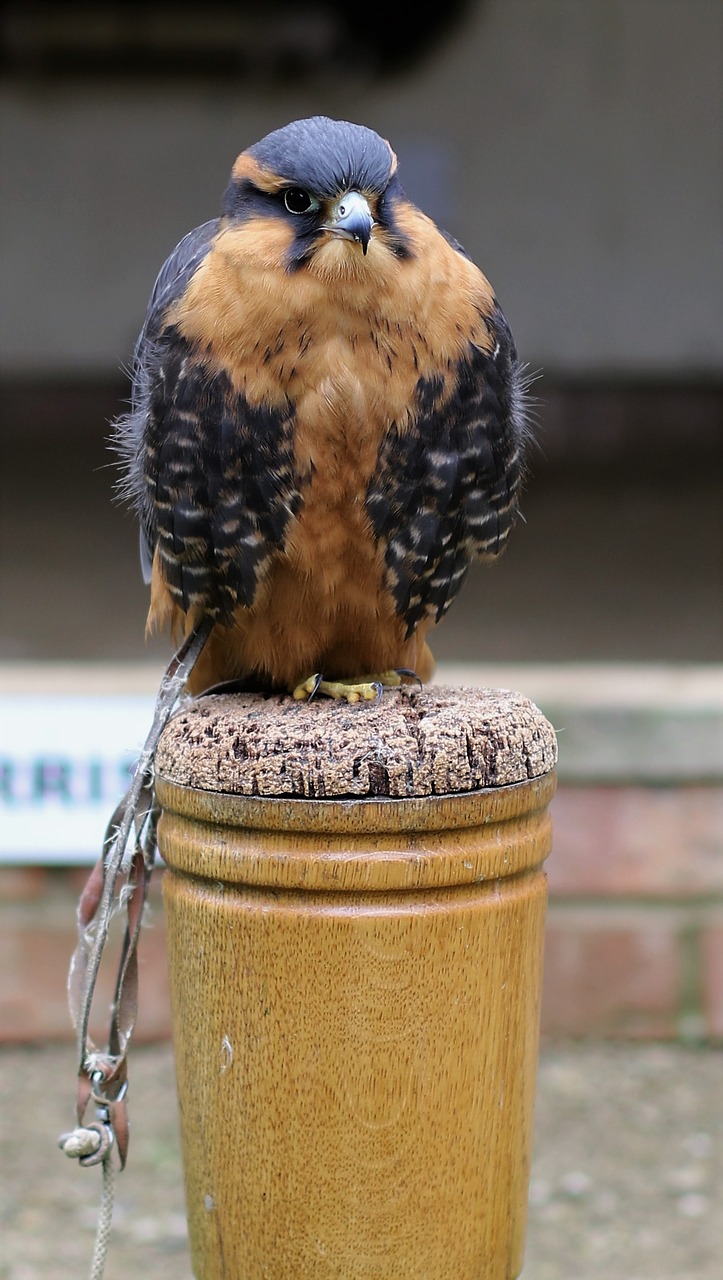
<point x="129" y="849"/>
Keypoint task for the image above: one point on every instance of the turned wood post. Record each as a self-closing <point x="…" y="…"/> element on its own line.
<point x="355" y="903"/>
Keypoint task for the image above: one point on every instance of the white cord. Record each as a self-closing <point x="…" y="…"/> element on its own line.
<point x="105" y="1216"/>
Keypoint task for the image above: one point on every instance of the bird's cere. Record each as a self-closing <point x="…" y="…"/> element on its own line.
<point x="351" y="218"/>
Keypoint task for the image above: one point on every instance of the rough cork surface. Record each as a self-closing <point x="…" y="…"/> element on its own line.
<point x="412" y="743"/>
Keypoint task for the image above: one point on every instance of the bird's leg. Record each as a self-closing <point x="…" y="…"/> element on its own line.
<point x="355" y="689"/>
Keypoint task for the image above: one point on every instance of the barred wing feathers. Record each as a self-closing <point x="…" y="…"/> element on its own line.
<point x="446" y="488"/>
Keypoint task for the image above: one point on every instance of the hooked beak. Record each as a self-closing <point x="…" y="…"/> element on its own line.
<point x="351" y="218"/>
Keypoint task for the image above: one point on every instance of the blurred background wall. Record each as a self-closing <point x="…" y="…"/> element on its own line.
<point x="574" y="146"/>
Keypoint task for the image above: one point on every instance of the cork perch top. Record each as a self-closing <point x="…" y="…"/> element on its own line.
<point x="413" y="743"/>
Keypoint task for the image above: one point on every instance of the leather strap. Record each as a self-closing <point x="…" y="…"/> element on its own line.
<point x="120" y="880"/>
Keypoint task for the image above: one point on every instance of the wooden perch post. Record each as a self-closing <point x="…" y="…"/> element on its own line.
<point x="355" y="910"/>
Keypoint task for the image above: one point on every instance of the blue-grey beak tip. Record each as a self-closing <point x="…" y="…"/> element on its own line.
<point x="353" y="219"/>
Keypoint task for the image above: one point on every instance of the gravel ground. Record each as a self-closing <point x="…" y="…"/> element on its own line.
<point x="627" y="1181"/>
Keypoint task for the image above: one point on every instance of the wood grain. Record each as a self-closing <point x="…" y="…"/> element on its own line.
<point x="412" y="743"/>
<point x="355" y="987"/>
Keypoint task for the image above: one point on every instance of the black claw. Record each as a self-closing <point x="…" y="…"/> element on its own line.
<point x="379" y="687"/>
<point x="412" y="675"/>
<point x="317" y="681"/>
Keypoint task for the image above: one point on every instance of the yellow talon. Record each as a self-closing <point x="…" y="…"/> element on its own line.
<point x="355" y="689"/>
<point x="307" y="688"/>
<point x="389" y="679"/>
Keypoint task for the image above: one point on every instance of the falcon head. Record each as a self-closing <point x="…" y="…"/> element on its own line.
<point x="330" y="183"/>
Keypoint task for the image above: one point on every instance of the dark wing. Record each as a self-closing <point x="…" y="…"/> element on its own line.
<point x="219" y="480"/>
<point x="171" y="282"/>
<point x="210" y="474"/>
<point x="445" y="489"/>
<point x="173" y="279"/>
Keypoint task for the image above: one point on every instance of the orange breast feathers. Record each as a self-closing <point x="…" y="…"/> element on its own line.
<point x="339" y="349"/>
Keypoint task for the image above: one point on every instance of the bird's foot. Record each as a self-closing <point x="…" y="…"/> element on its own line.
<point x="352" y="690"/>
<point x="355" y="689"/>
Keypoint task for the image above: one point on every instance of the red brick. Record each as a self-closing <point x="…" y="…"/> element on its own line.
<point x="22" y="884"/>
<point x="711" y="954"/>
<point x="636" y="841"/>
<point x="37" y="940"/>
<point x="612" y="972"/>
<point x="72" y="879"/>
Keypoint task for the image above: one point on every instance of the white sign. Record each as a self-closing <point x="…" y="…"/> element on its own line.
<point x="65" y="761"/>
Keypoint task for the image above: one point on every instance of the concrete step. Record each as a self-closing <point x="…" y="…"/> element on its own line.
<point x="622" y="723"/>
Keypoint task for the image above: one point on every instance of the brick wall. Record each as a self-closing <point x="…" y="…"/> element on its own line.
<point x="635" y="922"/>
<point x="37" y="938"/>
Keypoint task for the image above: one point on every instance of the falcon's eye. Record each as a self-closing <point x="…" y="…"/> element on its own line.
<point x="299" y="201"/>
